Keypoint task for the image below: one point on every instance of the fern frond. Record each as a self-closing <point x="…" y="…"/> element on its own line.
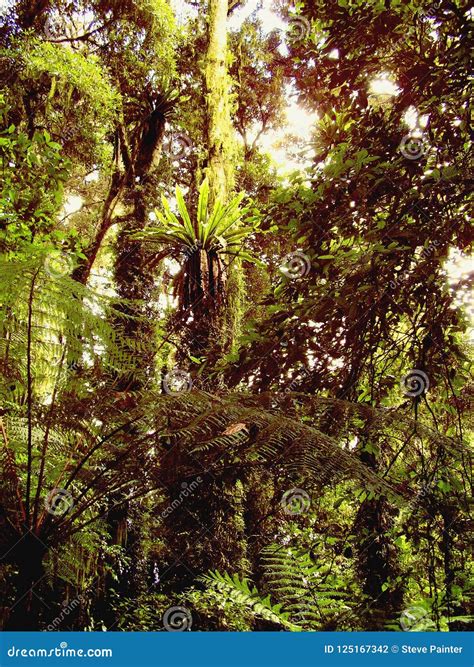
<point x="241" y="592"/>
<point x="296" y="580"/>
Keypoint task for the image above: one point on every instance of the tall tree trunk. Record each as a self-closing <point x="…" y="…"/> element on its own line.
<point x="220" y="162"/>
<point x="377" y="557"/>
<point x="220" y="168"/>
<point x="219" y="505"/>
<point x="134" y="280"/>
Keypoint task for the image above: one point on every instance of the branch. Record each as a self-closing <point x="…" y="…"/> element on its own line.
<point x="81" y="38"/>
<point x="84" y="460"/>
<point x="121" y="502"/>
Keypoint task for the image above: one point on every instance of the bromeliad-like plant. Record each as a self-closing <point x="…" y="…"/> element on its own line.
<point x="206" y="245"/>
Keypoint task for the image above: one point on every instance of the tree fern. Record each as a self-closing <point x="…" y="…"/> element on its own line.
<point x="49" y="325"/>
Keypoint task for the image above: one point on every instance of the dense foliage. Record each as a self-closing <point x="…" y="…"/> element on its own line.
<point x="234" y="397"/>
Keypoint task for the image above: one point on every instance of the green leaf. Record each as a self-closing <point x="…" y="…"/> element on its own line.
<point x="183" y="211"/>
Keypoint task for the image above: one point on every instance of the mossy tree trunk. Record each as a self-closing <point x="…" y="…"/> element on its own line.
<point x="134" y="280"/>
<point x="221" y="161"/>
<point x="219" y="134"/>
<point x="219" y="506"/>
<point x="377" y="557"/>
